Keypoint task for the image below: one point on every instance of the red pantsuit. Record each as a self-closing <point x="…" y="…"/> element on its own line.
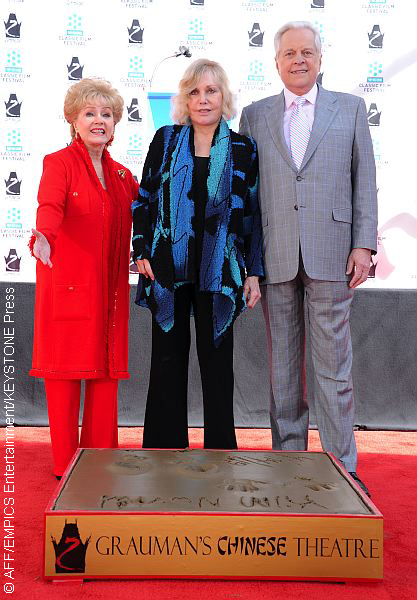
<point x="99" y="425"/>
<point x="82" y="302"/>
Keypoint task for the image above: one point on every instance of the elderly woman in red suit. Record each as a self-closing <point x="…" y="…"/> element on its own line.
<point x="82" y="242"/>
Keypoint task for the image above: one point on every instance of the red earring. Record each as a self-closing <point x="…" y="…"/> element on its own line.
<point x="109" y="143"/>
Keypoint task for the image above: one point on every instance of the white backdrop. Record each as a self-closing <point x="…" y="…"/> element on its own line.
<point x="369" y="49"/>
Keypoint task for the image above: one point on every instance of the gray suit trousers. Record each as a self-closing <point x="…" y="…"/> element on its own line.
<point x="327" y="313"/>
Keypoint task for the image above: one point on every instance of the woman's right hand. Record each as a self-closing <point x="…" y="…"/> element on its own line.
<point x="41" y="248"/>
<point x="144" y="268"/>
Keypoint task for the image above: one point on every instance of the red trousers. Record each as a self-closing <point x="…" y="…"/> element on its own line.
<point x="99" y="426"/>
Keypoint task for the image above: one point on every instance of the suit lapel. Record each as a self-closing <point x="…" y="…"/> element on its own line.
<point x="274" y="116"/>
<point x="326" y="110"/>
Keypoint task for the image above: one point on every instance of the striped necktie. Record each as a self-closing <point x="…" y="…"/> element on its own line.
<point x="299" y="131"/>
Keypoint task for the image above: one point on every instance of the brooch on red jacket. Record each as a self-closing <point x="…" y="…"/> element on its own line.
<point x="122" y="173"/>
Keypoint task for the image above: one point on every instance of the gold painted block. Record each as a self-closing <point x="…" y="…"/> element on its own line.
<point x="211" y="514"/>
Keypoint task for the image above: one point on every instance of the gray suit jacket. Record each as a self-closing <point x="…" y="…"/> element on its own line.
<point x="327" y="207"/>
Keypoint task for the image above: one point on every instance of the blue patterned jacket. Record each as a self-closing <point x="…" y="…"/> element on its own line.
<point x="163" y="218"/>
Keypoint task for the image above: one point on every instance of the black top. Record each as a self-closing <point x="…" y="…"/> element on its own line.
<point x="200" y="174"/>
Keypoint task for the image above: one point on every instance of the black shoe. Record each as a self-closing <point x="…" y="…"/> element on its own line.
<point x="360" y="483"/>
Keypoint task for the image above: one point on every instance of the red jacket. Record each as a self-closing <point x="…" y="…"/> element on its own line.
<point x="82" y="303"/>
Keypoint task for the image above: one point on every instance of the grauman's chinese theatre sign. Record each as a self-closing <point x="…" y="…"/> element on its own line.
<point x="162" y="513"/>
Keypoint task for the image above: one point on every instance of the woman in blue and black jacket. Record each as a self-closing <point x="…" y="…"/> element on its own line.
<point x="197" y="243"/>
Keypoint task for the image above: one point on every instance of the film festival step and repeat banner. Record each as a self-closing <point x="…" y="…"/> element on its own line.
<point x="46" y="45"/>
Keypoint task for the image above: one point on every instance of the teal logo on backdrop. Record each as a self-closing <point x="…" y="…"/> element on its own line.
<point x="135" y="145"/>
<point x="13" y="219"/>
<point x="195" y="29"/>
<point x="377" y="149"/>
<point x="136" y="68"/>
<point x="74" y="25"/>
<point x="14" y="141"/>
<point x="375" y="73"/>
<point x="256" y="71"/>
<point x="13" y="62"/>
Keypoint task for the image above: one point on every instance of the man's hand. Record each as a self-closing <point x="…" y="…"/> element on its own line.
<point x="358" y="265"/>
<point x="145" y="268"/>
<point x="251" y="290"/>
<point x="41" y="248"/>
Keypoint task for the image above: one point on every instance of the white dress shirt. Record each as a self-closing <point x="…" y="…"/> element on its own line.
<point x="308" y="109"/>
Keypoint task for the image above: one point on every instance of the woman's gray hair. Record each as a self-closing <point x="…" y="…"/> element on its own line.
<point x="297" y="25"/>
<point x="190" y="80"/>
<point x="87" y="90"/>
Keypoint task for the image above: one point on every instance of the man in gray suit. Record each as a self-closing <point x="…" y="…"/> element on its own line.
<point x="319" y="217"/>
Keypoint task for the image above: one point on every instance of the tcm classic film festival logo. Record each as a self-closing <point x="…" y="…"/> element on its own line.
<point x="378" y="7"/>
<point x="137" y="3"/>
<point x="375" y="81"/>
<point x="257" y="6"/>
<point x="75" y="34"/>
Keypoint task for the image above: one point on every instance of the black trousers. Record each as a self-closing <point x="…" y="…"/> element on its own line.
<point x="166" y="422"/>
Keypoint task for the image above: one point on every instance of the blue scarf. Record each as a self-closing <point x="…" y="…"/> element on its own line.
<point x="173" y="231"/>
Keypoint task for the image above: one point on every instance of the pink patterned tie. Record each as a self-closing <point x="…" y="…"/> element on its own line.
<point x="299" y="131"/>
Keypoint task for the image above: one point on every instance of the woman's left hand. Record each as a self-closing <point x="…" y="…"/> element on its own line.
<point x="251" y="290"/>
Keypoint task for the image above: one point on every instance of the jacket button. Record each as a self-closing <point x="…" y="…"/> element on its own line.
<point x="71" y="288"/>
<point x="295" y="206"/>
<point x="299" y="178"/>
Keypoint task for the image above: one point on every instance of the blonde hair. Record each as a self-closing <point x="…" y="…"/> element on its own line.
<point x="86" y="90"/>
<point x="190" y="79"/>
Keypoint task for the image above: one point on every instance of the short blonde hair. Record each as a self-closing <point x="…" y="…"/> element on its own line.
<point x="86" y="90"/>
<point x="190" y="79"/>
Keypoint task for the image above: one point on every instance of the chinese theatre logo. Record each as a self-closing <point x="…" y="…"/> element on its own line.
<point x="12" y="27"/>
<point x="70" y="551"/>
<point x="13" y="184"/>
<point x="256" y="36"/>
<point x="13" y="106"/>
<point x="375" y="38"/>
<point x="135" y="32"/>
<point x="133" y="111"/>
<point x="75" y="69"/>
<point x="12" y="261"/>
<point x="374" y="116"/>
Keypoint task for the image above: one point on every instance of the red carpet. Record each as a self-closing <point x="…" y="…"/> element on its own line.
<point x="387" y="463"/>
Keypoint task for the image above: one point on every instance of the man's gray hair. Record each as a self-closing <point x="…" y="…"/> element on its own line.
<point x="297" y="25"/>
